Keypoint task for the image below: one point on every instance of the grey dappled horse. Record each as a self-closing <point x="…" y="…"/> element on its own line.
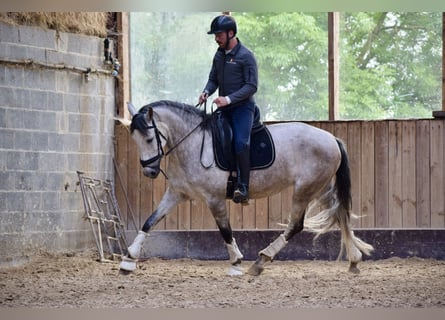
<point x="309" y="159"/>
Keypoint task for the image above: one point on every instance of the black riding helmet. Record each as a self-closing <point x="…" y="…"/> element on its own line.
<point x="222" y="23"/>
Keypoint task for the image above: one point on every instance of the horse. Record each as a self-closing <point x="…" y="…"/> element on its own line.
<point x="311" y="160"/>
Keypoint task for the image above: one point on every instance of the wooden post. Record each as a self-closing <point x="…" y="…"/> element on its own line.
<point x="443" y="61"/>
<point x="123" y="94"/>
<point x="333" y="61"/>
<point x="441" y="114"/>
<point x="124" y="153"/>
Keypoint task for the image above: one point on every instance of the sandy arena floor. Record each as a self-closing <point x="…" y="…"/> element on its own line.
<point x="79" y="280"/>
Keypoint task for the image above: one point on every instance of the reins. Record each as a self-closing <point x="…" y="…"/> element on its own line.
<point x="182" y="139"/>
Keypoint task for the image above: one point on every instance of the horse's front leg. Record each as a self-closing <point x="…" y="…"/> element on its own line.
<point x="168" y="202"/>
<point x="219" y="211"/>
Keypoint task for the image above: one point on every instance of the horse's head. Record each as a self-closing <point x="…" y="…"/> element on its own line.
<point x="148" y="138"/>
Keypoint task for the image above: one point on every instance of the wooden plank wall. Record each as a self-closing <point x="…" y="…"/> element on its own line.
<point x="398" y="181"/>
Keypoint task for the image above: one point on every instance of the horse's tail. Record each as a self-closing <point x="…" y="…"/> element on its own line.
<point x="336" y="210"/>
<point x="343" y="180"/>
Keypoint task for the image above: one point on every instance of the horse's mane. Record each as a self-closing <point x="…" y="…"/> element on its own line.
<point x="186" y="112"/>
<point x="179" y="106"/>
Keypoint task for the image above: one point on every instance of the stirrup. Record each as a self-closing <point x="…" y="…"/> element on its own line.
<point x="241" y="197"/>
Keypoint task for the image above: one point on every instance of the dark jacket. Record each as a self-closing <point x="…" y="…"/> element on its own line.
<point x="235" y="74"/>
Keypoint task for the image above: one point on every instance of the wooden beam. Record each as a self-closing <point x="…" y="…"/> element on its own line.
<point x="334" y="63"/>
<point x="123" y="88"/>
<point x="443" y="61"/>
<point x="441" y="114"/>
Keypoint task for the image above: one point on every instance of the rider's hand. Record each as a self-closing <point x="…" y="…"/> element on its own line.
<point x="221" y="102"/>
<point x="203" y="97"/>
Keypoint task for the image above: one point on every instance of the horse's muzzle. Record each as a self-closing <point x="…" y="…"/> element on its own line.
<point x="151" y="172"/>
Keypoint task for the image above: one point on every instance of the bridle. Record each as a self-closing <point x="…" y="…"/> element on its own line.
<point x="161" y="153"/>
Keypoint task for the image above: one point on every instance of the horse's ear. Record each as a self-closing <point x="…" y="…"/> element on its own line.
<point x="149" y="115"/>
<point x="131" y="109"/>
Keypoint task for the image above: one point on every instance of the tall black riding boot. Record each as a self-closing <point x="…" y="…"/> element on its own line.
<point x="241" y="193"/>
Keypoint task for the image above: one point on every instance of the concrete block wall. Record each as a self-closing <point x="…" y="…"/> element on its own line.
<point x="53" y="122"/>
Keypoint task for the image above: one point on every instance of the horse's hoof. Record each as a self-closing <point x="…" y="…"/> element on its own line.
<point x="235" y="270"/>
<point x="353" y="268"/>
<point x="127" y="264"/>
<point x="124" y="272"/>
<point x="255" y="270"/>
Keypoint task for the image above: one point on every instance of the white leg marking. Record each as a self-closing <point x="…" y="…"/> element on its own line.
<point x="134" y="250"/>
<point x="235" y="254"/>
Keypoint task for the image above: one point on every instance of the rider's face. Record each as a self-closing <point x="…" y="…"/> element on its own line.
<point x="221" y="38"/>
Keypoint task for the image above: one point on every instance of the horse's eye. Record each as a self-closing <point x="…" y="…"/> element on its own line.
<point x="149" y="140"/>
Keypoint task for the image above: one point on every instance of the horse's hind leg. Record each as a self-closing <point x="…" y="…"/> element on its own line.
<point x="354" y="247"/>
<point x="267" y="255"/>
<point x="295" y="225"/>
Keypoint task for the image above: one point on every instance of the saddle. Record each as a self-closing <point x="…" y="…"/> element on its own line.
<point x="262" y="149"/>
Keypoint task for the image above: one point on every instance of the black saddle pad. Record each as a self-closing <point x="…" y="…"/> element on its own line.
<point x="262" y="149"/>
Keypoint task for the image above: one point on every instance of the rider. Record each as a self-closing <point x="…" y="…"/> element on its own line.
<point x="235" y="73"/>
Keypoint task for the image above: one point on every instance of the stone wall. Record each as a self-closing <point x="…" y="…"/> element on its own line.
<point x="53" y="122"/>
